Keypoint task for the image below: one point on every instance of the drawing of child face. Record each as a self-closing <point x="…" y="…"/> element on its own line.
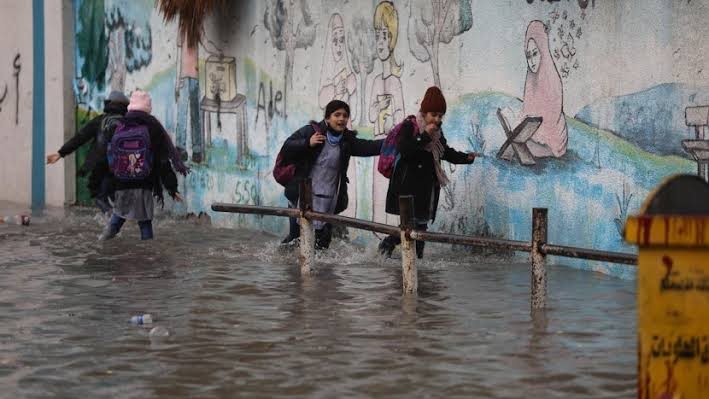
<point x="533" y="56"/>
<point x="383" y="36"/>
<point x="338" y="43"/>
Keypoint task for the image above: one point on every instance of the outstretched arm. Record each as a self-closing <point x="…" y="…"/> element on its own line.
<point x="366" y="148"/>
<point x="454" y="156"/>
<point x="85" y="135"/>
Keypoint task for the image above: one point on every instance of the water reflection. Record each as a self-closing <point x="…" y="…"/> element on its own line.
<point x="244" y="322"/>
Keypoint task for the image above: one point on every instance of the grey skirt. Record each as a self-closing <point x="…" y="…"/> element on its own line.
<point x="134" y="204"/>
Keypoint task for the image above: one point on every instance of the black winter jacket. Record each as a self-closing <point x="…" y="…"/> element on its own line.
<point x="89" y="132"/>
<point x="415" y="175"/>
<point x="297" y="149"/>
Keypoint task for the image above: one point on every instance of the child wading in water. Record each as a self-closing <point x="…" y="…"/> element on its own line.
<point x="322" y="151"/>
<point x="418" y="172"/>
<point x="141" y="158"/>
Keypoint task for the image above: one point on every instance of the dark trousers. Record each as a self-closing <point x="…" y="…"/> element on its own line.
<point x="101" y="187"/>
<point x="116" y="222"/>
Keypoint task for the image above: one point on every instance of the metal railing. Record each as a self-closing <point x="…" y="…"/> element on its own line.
<point x="538" y="247"/>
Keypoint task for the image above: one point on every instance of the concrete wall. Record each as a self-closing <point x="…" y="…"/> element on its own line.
<point x="59" y="101"/>
<point x="16" y="80"/>
<point x="16" y="100"/>
<point x="611" y="80"/>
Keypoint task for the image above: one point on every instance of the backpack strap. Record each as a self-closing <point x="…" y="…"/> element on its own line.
<point x="316" y="127"/>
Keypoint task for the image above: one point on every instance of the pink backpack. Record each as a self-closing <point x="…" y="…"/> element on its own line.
<point x="389" y="154"/>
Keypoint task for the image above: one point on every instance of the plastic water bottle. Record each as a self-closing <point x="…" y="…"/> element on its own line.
<point x="142" y="319"/>
<point x="23" y="220"/>
<point x="158" y="332"/>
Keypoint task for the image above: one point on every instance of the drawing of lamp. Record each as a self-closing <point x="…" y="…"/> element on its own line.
<point x="698" y="148"/>
<point x="221" y="97"/>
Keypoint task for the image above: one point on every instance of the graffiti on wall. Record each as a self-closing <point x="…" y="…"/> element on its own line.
<point x="16" y="69"/>
<point x="291" y="27"/>
<point x="271" y="105"/>
<point x="129" y="39"/>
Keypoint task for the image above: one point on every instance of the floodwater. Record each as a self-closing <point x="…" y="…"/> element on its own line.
<point x="243" y="322"/>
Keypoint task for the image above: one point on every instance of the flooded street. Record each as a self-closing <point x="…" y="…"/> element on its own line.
<point x="242" y="321"/>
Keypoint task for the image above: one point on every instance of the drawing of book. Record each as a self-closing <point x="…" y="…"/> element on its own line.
<point x="516" y="143"/>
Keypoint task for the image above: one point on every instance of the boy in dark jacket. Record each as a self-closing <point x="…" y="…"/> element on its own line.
<point x="324" y="156"/>
<point x="134" y="197"/>
<point x="115" y="106"/>
<point x="418" y="171"/>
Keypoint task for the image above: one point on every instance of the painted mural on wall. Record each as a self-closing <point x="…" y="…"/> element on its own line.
<point x="525" y="105"/>
<point x="433" y="22"/>
<point x="129" y="39"/>
<point x="386" y="97"/>
<point x="291" y="27"/>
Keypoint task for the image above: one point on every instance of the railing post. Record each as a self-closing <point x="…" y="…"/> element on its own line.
<point x="408" y="246"/>
<point x="538" y="258"/>
<point x="307" y="232"/>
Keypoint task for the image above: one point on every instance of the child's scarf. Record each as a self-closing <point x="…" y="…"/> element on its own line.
<point x="435" y="147"/>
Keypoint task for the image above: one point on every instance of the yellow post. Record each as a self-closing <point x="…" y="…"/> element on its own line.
<point x="672" y="233"/>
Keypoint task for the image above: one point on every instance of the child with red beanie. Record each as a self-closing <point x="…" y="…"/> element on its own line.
<point x="418" y="172"/>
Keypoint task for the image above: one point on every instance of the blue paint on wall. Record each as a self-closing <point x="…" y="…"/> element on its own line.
<point x="652" y="119"/>
<point x="38" y="121"/>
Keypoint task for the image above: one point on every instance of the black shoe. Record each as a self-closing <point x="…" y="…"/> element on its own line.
<point x="419" y="249"/>
<point x="387" y="245"/>
<point x="289" y="239"/>
<point x="197" y="157"/>
<point x="323" y="237"/>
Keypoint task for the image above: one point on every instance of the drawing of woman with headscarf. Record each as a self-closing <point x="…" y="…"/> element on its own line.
<point x="543" y="95"/>
<point x="337" y="81"/>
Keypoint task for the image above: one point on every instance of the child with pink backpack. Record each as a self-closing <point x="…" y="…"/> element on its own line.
<point x="141" y="158"/>
<point x="411" y="158"/>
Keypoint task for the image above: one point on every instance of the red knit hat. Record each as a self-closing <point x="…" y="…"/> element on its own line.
<point x="433" y="101"/>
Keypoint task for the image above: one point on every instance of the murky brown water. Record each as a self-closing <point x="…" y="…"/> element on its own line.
<point x="244" y="323"/>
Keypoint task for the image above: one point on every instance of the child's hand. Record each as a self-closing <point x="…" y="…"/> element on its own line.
<point x="317" y="139"/>
<point x="430" y="128"/>
<point x="52" y="158"/>
<point x="177" y="197"/>
<point x="473" y="155"/>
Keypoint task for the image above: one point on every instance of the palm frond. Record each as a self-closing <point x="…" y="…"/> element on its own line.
<point x="190" y="14"/>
